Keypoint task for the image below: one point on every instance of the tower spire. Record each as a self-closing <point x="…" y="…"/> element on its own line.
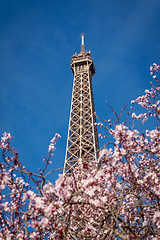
<point x="82" y="142"/>
<point x="82" y="43"/>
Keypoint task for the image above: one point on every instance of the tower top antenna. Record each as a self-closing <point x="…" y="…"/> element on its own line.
<point x="82" y="43"/>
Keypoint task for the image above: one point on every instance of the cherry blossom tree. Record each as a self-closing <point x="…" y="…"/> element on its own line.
<point x="114" y="197"/>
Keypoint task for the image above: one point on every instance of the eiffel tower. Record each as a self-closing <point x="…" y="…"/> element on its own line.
<point x="82" y="142"/>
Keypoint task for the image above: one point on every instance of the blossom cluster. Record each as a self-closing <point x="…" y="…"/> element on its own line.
<point x="4" y="144"/>
<point x="51" y="147"/>
<point x="154" y="68"/>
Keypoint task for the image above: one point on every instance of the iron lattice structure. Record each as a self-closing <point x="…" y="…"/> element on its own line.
<point x="82" y="142"/>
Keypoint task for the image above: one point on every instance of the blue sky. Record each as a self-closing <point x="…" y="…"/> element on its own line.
<point x="37" y="41"/>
